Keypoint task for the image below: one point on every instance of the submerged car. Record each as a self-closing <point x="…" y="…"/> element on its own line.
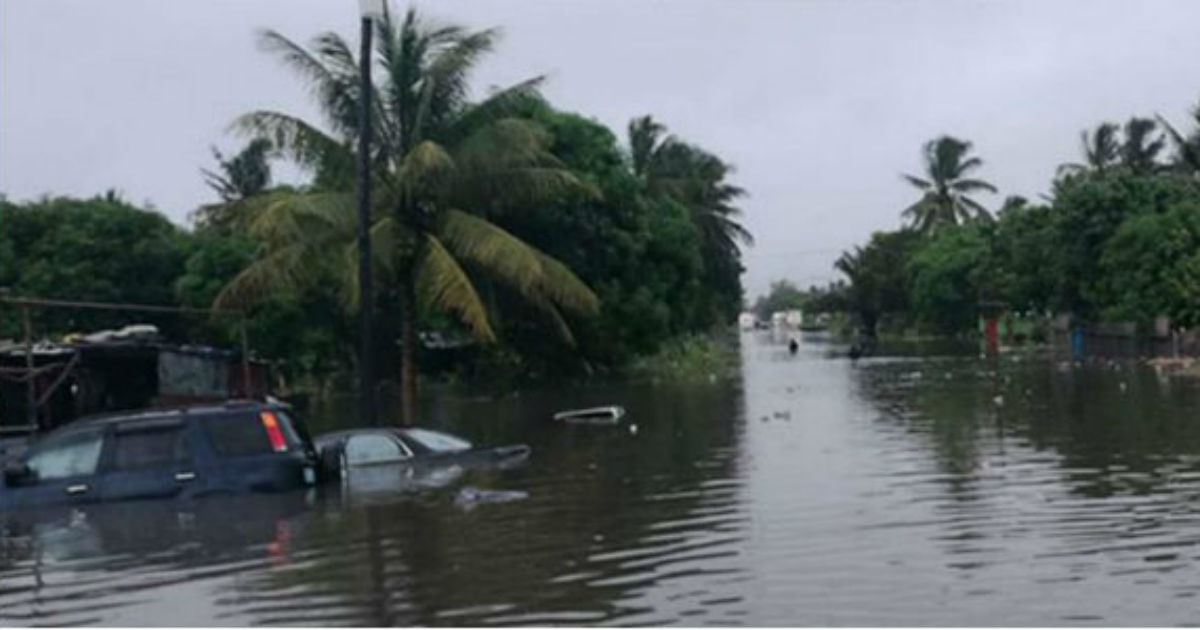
<point x="201" y="450"/>
<point x="345" y="453"/>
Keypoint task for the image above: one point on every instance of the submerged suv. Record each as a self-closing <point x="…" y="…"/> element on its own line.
<point x="229" y="448"/>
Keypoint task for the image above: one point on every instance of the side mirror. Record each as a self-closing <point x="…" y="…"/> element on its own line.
<point x="16" y="474"/>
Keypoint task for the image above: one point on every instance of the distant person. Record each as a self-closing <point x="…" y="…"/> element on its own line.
<point x="793" y="345"/>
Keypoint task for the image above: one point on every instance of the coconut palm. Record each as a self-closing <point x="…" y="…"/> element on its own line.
<point x="645" y="138"/>
<point x="1187" y="148"/>
<point x="665" y="165"/>
<point x="1101" y="149"/>
<point x="946" y="186"/>
<point x="239" y="178"/>
<point x="243" y="175"/>
<point x="439" y="163"/>
<point x="1140" y="149"/>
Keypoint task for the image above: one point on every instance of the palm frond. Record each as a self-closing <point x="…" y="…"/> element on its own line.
<point x="556" y="319"/>
<point x="923" y="184"/>
<point x="291" y="136"/>
<point x="442" y="283"/>
<point x="426" y="165"/>
<point x="284" y="269"/>
<point x="498" y="253"/>
<point x="444" y="84"/>
<point x="972" y="185"/>
<point x="980" y="211"/>
<point x="513" y="101"/>
<point x="564" y="288"/>
<point x="335" y="89"/>
<point x="644" y="139"/>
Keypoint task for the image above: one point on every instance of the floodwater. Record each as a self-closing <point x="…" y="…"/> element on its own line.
<point x="903" y="490"/>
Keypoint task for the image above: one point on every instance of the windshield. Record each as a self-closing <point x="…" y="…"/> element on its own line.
<point x="438" y="442"/>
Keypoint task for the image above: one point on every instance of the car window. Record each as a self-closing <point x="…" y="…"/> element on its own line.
<point x="240" y="434"/>
<point x="71" y="455"/>
<point x="437" y="442"/>
<point x="150" y="448"/>
<point x="373" y="449"/>
<point x="293" y="430"/>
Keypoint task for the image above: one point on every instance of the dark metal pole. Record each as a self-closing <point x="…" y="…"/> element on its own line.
<point x="365" y="299"/>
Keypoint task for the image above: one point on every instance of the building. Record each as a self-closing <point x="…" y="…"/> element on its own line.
<point x="116" y="370"/>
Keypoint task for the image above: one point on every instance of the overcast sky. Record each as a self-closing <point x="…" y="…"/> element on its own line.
<point x="819" y="104"/>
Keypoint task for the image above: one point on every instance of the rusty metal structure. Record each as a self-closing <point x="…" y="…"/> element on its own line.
<point x="46" y="384"/>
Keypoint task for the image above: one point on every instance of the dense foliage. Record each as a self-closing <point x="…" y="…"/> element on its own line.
<point x="101" y="249"/>
<point x="559" y="248"/>
<point x="1117" y="240"/>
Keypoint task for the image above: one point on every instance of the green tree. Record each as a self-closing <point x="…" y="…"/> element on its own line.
<point x="642" y="254"/>
<point x="100" y="249"/>
<point x="1101" y="150"/>
<point x="1187" y="148"/>
<point x="946" y="186"/>
<point x="878" y="284"/>
<point x="946" y="276"/>
<point x="239" y="178"/>
<point x="1020" y="266"/>
<point x="1151" y="267"/>
<point x="1141" y="147"/>
<point x="439" y="163"/>
<point x="243" y="175"/>
<point x="782" y="296"/>
<point x="305" y="331"/>
<point x="667" y="166"/>
<point x="1087" y="211"/>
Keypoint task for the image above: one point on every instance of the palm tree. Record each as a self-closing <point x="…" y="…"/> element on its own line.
<point x="1013" y="203"/>
<point x="1101" y="149"/>
<point x="244" y="175"/>
<point x="946" y="186"/>
<point x="862" y="290"/>
<point x="666" y="167"/>
<point x="645" y="139"/>
<point x="438" y="162"/>
<point x="1139" y="151"/>
<point x="241" y="177"/>
<point x="693" y="177"/>
<point x="1187" y="148"/>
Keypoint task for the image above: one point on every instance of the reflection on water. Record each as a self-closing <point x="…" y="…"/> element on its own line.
<point x="921" y="488"/>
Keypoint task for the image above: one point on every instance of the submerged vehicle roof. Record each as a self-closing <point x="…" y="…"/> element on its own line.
<point x="198" y="409"/>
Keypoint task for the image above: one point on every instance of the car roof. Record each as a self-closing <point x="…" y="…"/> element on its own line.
<point x="347" y="433"/>
<point x="183" y="411"/>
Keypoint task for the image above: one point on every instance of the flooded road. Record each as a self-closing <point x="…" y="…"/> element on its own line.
<point x="937" y="490"/>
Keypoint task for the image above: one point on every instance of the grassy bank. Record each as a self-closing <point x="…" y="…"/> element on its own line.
<point x="690" y="358"/>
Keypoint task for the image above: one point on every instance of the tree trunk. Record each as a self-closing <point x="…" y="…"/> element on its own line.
<point x="408" y="352"/>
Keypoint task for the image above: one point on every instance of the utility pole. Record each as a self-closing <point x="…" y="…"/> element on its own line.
<point x="370" y="9"/>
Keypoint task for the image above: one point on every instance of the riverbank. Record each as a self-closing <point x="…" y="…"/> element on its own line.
<point x="693" y="358"/>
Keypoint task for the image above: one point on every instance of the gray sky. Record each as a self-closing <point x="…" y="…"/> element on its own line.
<point x="819" y="104"/>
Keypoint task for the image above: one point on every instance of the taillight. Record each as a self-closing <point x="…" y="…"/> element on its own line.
<point x="271" y="424"/>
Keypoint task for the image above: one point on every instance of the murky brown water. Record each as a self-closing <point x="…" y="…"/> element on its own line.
<point x="895" y="491"/>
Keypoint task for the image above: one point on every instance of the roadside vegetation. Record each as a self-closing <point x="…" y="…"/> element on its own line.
<point x="1116" y="239"/>
<point x="536" y="239"/>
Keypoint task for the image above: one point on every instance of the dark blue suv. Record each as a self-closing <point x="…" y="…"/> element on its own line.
<point x="188" y="452"/>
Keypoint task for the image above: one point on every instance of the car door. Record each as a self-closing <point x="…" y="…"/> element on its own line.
<point x="62" y="469"/>
<point x="148" y="459"/>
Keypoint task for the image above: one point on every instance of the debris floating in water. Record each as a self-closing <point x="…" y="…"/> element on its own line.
<point x="610" y="414"/>
<point x="470" y="496"/>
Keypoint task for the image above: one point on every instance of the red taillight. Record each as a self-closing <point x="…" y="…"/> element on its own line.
<point x="271" y="424"/>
